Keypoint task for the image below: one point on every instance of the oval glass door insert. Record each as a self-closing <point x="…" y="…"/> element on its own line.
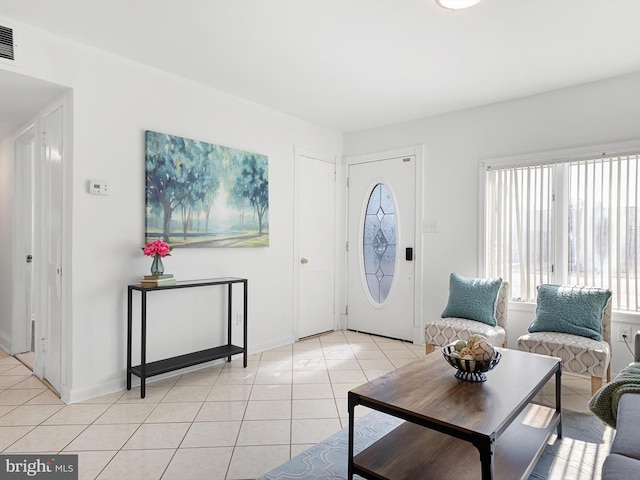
<point x="379" y="243"/>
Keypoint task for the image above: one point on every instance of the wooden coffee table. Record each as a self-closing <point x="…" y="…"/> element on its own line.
<point x="448" y="421"/>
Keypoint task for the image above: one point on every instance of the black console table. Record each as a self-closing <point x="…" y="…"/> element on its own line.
<point x="145" y="370"/>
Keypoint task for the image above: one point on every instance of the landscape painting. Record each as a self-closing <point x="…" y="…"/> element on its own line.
<point x="204" y="195"/>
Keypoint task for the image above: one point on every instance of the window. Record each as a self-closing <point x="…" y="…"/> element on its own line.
<point x="572" y="222"/>
<point x="379" y="243"/>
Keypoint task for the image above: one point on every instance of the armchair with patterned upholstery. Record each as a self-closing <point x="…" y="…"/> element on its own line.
<point x="476" y="307"/>
<point x="574" y="324"/>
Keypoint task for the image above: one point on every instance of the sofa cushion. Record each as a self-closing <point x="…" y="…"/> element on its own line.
<point x="619" y="467"/>
<point x="627" y="441"/>
<point x="573" y="310"/>
<point x="473" y="298"/>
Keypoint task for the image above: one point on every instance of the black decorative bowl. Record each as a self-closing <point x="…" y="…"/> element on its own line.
<point x="470" y="370"/>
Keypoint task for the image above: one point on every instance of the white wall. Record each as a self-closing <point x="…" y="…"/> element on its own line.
<point x="604" y="112"/>
<point x="7" y="173"/>
<point x="114" y="102"/>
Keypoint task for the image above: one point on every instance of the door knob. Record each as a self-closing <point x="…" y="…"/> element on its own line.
<point x="304" y="261"/>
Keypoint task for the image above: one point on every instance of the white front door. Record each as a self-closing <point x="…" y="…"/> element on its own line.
<point x="315" y="223"/>
<point x="381" y="272"/>
<point x="50" y="321"/>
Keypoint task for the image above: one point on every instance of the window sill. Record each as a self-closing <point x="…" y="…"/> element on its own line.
<point x="519" y="306"/>
<point x="618" y="315"/>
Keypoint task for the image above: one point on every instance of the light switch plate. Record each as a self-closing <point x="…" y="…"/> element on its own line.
<point x="430" y="226"/>
<point x="98" y="187"/>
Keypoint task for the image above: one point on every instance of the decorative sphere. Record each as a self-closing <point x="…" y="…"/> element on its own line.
<point x="466" y="352"/>
<point x="460" y="344"/>
<point x="473" y="339"/>
<point x="482" y="350"/>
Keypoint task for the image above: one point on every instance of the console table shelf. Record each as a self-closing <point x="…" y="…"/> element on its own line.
<point x="188" y="360"/>
<point x="145" y="370"/>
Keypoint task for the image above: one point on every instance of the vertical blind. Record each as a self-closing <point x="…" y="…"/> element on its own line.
<point x="519" y="233"/>
<point x="603" y="219"/>
<point x="596" y="239"/>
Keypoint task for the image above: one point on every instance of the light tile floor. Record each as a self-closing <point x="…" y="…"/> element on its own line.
<point x="220" y="422"/>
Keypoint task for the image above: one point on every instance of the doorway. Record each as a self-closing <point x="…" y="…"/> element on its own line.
<point x="24" y="332"/>
<point x="36" y="334"/>
<point x="381" y="267"/>
<point x="31" y="107"/>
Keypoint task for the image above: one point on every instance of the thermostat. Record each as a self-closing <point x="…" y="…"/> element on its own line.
<point x="98" y="187"/>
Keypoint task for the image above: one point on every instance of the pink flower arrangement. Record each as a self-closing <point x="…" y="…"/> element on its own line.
<point x="157" y="247"/>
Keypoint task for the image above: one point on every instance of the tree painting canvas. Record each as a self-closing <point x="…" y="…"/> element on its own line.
<point x="204" y="195"/>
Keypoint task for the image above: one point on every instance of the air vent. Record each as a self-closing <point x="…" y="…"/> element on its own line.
<point x="6" y="43"/>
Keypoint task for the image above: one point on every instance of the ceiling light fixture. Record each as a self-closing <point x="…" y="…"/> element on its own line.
<point x="457" y="4"/>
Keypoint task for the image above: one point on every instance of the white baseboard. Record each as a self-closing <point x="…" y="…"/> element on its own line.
<point x="418" y="335"/>
<point x="5" y="342"/>
<point x="279" y="342"/>
<point x="75" y="395"/>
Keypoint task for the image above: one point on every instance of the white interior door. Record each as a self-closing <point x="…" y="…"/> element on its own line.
<point x="315" y="212"/>
<point x="381" y="273"/>
<point x="51" y="248"/>
<point x="23" y="292"/>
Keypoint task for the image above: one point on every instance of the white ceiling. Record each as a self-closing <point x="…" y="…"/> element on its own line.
<point x="356" y="64"/>
<point x="21" y="98"/>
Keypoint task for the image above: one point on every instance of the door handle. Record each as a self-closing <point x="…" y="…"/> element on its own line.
<point x="408" y="254"/>
<point x="304" y="261"/>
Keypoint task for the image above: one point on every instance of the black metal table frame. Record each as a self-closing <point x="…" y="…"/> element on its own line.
<point x="145" y="370"/>
<point x="484" y="444"/>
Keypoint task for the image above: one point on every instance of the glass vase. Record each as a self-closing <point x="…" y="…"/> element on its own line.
<point x="157" y="268"/>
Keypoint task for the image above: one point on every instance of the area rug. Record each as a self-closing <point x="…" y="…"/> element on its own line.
<point x="576" y="456"/>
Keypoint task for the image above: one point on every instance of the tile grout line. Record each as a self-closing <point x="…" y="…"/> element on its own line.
<point x="244" y="413"/>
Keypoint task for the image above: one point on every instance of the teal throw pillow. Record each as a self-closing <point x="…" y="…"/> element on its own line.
<point x="473" y="298"/>
<point x="573" y="310"/>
